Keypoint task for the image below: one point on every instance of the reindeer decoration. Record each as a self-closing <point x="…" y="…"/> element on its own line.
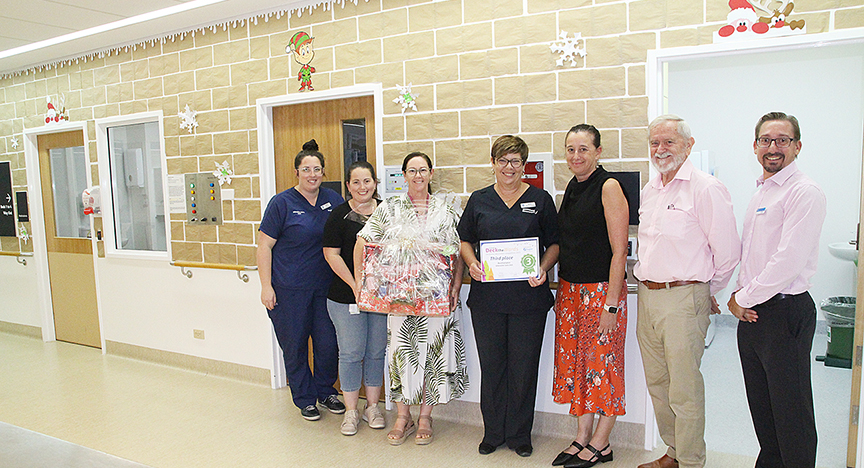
<point x="777" y="17"/>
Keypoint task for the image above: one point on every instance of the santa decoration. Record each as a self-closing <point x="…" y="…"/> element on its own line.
<point x="741" y="19"/>
<point x="52" y="115"/>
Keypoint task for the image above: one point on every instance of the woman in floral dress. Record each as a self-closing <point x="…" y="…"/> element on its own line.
<point x="426" y="355"/>
<point x="591" y="304"/>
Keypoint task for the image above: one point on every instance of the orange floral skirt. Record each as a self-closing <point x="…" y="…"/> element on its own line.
<point x="589" y="368"/>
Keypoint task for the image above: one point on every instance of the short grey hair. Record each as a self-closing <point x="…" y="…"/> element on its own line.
<point x="683" y="127"/>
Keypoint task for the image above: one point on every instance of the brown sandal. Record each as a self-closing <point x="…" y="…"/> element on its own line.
<point x="424" y="436"/>
<point x="398" y="436"/>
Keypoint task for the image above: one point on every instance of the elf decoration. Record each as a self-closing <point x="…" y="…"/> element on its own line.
<point x="759" y="18"/>
<point x="301" y="48"/>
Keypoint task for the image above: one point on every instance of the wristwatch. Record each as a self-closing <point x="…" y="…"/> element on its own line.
<point x="610" y="309"/>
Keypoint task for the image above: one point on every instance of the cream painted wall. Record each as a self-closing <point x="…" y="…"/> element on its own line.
<point x="19" y="302"/>
<point x="150" y="304"/>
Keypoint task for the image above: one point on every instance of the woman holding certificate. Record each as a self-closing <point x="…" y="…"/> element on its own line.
<point x="426" y="355"/>
<point x="509" y="234"/>
<point x="591" y="304"/>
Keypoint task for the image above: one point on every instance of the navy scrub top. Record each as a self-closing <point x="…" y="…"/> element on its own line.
<point x="297" y="226"/>
<point x="487" y="217"/>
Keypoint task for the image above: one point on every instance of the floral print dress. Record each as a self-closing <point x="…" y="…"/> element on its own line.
<point x="422" y="350"/>
<point x="589" y="367"/>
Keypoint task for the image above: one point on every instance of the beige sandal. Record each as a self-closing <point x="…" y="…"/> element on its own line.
<point x="398" y="436"/>
<point x="424" y="436"/>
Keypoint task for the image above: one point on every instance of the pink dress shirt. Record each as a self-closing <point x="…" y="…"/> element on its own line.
<point x="687" y="230"/>
<point x="780" y="245"/>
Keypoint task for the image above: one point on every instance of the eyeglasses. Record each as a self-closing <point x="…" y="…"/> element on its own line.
<point x="307" y="169"/>
<point x="782" y="142"/>
<point x="503" y="162"/>
<point x="412" y="172"/>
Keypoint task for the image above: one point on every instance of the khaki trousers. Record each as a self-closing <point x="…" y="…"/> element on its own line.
<point x="671" y="331"/>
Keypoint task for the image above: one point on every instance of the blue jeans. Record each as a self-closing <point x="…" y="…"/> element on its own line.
<point x="362" y="344"/>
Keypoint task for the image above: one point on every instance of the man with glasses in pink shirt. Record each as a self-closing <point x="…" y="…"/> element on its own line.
<point x="688" y="247"/>
<point x="778" y="318"/>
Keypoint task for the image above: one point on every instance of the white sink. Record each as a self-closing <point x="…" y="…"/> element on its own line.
<point x="843" y="251"/>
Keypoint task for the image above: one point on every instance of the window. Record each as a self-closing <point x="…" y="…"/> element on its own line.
<point x="137" y="200"/>
<point x="69" y="179"/>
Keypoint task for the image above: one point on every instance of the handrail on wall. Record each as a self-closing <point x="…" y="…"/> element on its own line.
<point x="218" y="266"/>
<point x="18" y="256"/>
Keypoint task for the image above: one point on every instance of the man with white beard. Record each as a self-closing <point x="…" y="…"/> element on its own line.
<point x="688" y="247"/>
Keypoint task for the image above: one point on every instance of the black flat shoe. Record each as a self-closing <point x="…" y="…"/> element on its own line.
<point x="564" y="457"/>
<point x="596" y="458"/>
<point x="524" y="450"/>
<point x="486" y="449"/>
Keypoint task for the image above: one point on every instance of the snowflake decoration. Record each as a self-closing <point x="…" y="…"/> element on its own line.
<point x="14" y="142"/>
<point x="406" y="98"/>
<point x="223" y="172"/>
<point x="188" y="120"/>
<point x="22" y="233"/>
<point x="568" y="47"/>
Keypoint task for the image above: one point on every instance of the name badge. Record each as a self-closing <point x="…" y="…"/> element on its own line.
<point x="325" y="206"/>
<point x="760" y="210"/>
<point x="529" y="204"/>
<point x="298" y="212"/>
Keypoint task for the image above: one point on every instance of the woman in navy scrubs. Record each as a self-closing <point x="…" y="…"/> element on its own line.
<point x="295" y="279"/>
<point x="509" y="317"/>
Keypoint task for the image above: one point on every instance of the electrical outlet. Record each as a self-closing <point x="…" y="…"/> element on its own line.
<point x="198" y="334"/>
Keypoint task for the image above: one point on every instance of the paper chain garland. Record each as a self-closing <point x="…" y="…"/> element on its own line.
<point x="239" y="22"/>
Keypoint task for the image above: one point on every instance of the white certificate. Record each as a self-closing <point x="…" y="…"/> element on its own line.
<point x="510" y="259"/>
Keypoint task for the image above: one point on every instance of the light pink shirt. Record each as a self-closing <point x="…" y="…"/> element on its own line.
<point x="780" y="247"/>
<point x="687" y="230"/>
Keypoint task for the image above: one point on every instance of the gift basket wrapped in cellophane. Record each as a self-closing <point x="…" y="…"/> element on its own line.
<point x="406" y="272"/>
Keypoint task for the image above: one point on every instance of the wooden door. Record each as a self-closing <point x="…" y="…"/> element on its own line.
<point x="325" y="121"/>
<point x="63" y="167"/>
<point x="330" y="124"/>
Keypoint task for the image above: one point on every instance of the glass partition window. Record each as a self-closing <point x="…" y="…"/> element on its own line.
<point x="68" y="180"/>
<point x="134" y="153"/>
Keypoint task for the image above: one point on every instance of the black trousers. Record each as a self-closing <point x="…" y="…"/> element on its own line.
<point x="509" y="349"/>
<point x="775" y="358"/>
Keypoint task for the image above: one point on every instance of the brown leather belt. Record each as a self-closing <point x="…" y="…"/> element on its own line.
<point x="671" y="284"/>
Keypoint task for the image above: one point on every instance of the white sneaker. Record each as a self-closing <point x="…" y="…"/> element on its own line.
<point x="350" y="422"/>
<point x="374" y="417"/>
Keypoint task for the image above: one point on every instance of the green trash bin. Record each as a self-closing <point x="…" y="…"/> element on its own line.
<point x="840" y="315"/>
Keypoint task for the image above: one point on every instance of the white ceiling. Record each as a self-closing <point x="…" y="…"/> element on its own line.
<point x="24" y="22"/>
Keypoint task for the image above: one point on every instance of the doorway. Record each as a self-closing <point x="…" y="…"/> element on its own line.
<point x="341" y="127"/>
<point x="345" y="122"/>
<point x="722" y="90"/>
<point x="63" y="169"/>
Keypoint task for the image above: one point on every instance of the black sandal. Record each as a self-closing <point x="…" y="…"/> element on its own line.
<point x="596" y="458"/>
<point x="565" y="457"/>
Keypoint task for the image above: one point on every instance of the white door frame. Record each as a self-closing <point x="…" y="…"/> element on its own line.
<point x="37" y="223"/>
<point x="267" y="161"/>
<point x="657" y="94"/>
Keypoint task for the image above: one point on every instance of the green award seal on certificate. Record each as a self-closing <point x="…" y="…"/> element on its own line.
<point x="528" y="263"/>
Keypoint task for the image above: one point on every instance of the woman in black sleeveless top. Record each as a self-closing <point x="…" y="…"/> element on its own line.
<point x="591" y="304"/>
